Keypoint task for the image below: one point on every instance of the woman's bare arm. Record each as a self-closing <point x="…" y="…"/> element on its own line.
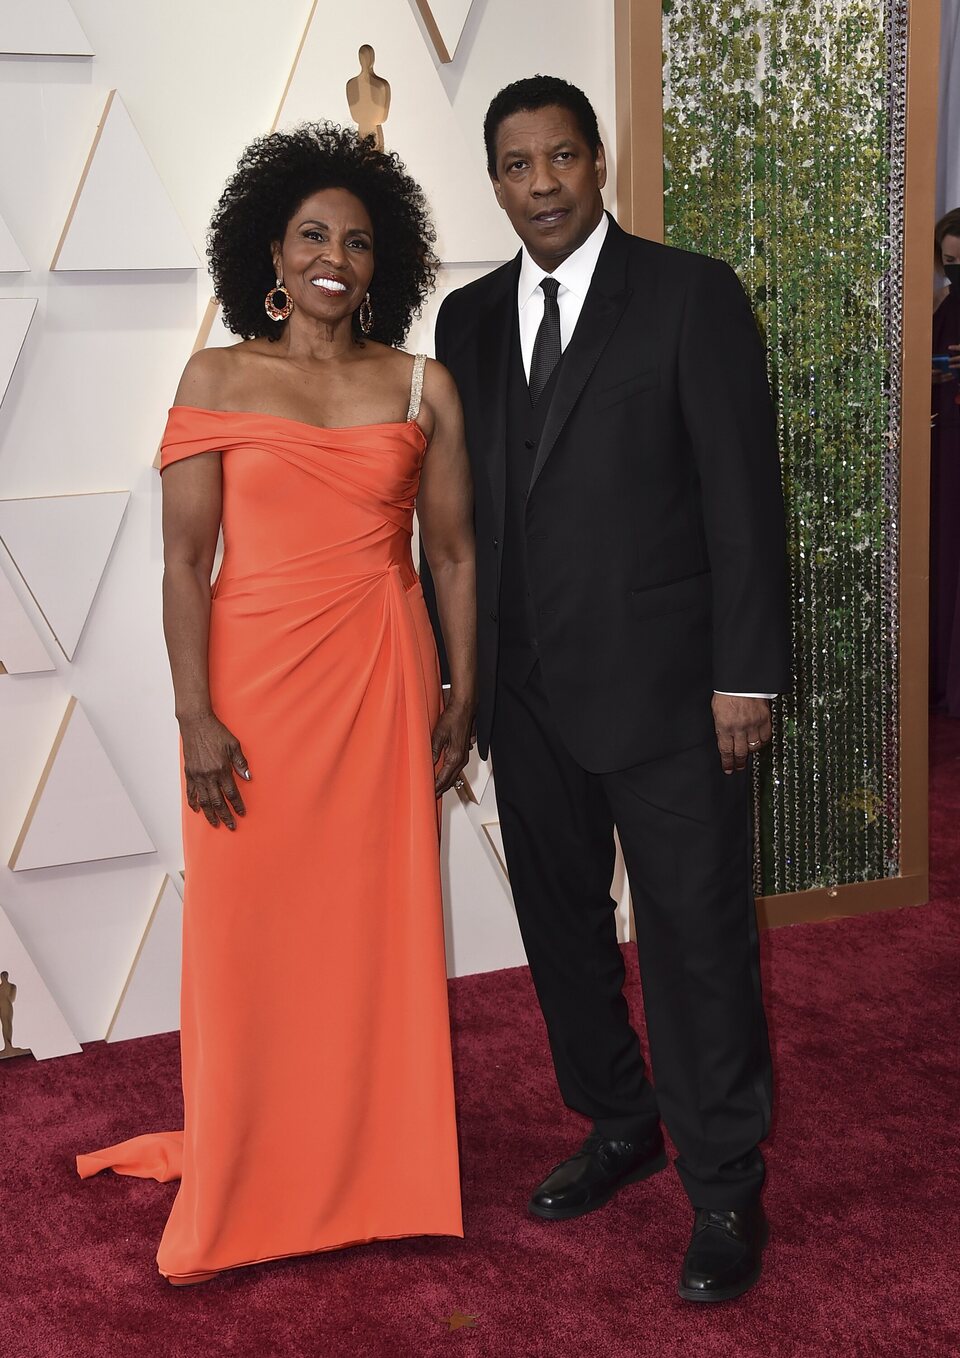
<point x="445" y="511"/>
<point x="192" y="494"/>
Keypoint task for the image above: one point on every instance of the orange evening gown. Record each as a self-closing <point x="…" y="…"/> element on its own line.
<point x="317" y="1075"/>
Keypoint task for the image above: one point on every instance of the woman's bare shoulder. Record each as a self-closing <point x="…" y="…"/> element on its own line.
<point x="210" y="374"/>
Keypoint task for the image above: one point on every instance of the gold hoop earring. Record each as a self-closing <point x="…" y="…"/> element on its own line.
<point x="366" y="315"/>
<point x="278" y="303"/>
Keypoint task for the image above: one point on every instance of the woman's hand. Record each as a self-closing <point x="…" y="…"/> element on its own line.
<point x="211" y="754"/>
<point x="452" y="740"/>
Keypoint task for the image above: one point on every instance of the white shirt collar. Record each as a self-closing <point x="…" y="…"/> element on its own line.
<point x="574" y="274"/>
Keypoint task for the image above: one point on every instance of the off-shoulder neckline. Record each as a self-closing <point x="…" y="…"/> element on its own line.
<point x="307" y="424"/>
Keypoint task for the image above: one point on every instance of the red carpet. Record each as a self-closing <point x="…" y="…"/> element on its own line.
<point x="863" y="1187"/>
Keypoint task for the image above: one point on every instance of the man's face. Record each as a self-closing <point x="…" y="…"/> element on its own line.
<point x="548" y="182"/>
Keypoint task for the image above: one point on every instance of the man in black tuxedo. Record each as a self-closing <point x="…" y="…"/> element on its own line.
<point x="631" y="605"/>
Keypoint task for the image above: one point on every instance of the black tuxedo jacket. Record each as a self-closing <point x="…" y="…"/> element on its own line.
<point x="655" y="547"/>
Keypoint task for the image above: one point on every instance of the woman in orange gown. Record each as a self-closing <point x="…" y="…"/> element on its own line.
<point x="318" y="1091"/>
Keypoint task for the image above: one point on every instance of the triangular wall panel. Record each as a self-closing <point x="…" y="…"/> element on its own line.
<point x="476" y="776"/>
<point x="12" y="259"/>
<point x="61" y="545"/>
<point x="21" y="650"/>
<point x="41" y="28"/>
<point x="422" y="125"/>
<point x="481" y="930"/>
<point x="150" y="1002"/>
<point x="16" y="314"/>
<point x="494" y="834"/>
<point x="80" y="811"/>
<point x="122" y="216"/>
<point x="31" y="1014"/>
<point x="445" y="21"/>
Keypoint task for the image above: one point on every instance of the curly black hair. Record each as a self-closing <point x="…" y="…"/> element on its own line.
<point x="274" y="176"/>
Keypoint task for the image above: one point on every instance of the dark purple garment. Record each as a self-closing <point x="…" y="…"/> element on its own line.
<point x="945" y="522"/>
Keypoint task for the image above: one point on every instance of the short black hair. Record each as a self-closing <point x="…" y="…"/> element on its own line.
<point x="538" y="91"/>
<point x="276" y="173"/>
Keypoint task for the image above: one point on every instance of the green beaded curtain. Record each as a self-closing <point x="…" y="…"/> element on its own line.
<point x="783" y="154"/>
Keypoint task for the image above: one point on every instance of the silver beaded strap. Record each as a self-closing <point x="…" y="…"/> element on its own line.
<point x="416" y="386"/>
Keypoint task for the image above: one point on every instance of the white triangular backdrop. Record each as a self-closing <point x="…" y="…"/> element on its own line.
<point x="484" y="940"/>
<point x="38" y="1024"/>
<point x="150" y="1002"/>
<point x="61" y="545"/>
<point x="12" y="259"/>
<point x="81" y="811"/>
<point x="16" y="315"/>
<point x="21" y="650"/>
<point x="122" y="216"/>
<point x="41" y="28"/>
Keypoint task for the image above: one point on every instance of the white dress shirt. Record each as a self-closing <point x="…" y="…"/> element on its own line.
<point x="574" y="275"/>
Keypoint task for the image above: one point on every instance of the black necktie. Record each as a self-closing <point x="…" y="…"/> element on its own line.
<point x="546" y="348"/>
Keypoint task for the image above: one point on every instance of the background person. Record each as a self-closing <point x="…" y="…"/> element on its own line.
<point x="945" y="475"/>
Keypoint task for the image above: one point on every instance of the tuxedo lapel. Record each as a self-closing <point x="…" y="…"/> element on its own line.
<point x="603" y="306"/>
<point x="495" y="336"/>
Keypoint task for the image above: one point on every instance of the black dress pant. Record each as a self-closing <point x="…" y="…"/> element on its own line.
<point x="685" y="831"/>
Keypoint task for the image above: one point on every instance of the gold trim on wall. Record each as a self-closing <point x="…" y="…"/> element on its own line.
<point x="857" y="898"/>
<point x="293" y="69"/>
<point x="136" y="960"/>
<point x="83" y="177"/>
<point x="433" y="28"/>
<point x="638" y="48"/>
<point x="41" y="785"/>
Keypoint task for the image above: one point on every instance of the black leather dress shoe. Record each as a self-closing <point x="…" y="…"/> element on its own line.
<point x="725" y="1254"/>
<point x="591" y="1177"/>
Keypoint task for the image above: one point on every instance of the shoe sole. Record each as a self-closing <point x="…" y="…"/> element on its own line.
<point x="568" y="1213"/>
<point x="732" y="1292"/>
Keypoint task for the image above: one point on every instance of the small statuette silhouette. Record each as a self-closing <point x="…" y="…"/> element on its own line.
<point x="368" y="95"/>
<point x="8" y="993"/>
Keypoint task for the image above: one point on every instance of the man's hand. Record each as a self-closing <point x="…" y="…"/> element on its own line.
<point x="743" y="727"/>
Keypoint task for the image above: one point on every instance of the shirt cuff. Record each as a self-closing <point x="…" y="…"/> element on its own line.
<point x="724" y="694"/>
